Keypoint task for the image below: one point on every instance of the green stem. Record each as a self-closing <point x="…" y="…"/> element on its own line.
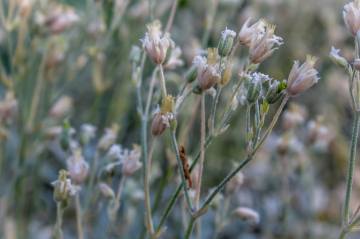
<point x="233" y="95"/>
<point x="214" y="104"/>
<point x="58" y="232"/>
<point x="257" y="122"/>
<point x="351" y="168"/>
<point x="248" y="109"/>
<point x="161" y="189"/>
<point x="78" y="216"/>
<point x="162" y="80"/>
<point x="190" y="227"/>
<point x="181" y="169"/>
<point x="176" y="194"/>
<point x="342" y="234"/>
<point x="144" y="144"/>
<point x="92" y="178"/>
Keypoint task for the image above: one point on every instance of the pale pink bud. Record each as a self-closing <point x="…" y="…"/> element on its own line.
<point x="77" y="167"/>
<point x="352" y="16"/>
<point x="302" y="77"/>
<point x="246" y="32"/>
<point x="248" y="214"/>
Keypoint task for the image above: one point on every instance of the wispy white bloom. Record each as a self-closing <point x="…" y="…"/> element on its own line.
<point x="227" y="32"/>
<point x="260" y="77"/>
<point x="155" y="46"/>
<point x="246" y="32"/>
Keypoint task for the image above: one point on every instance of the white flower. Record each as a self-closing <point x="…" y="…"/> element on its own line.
<point x="246" y="32"/>
<point x="207" y="69"/>
<point x="66" y="187"/>
<point x="115" y="152"/>
<point x="352" y="16"/>
<point x="155" y="46"/>
<point x="131" y="161"/>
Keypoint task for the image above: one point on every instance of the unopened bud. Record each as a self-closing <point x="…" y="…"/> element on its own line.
<point x="338" y="60"/>
<point x="197" y="89"/>
<point x="65" y="135"/>
<point x="226" y="42"/>
<point x="275" y="91"/>
<point x="135" y="54"/>
<point x="254" y="91"/>
<point x="248" y="214"/>
<point x="227" y="76"/>
<point x="107" y="191"/>
<point x="202" y="211"/>
<point x="191" y="74"/>
<point x="357" y="64"/>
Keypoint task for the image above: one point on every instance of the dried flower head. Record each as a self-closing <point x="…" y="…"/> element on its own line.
<point x="8" y="107"/>
<point x="208" y="70"/>
<point x="248" y="214"/>
<point x="302" y="77"/>
<point x="131" y="161"/>
<point x="109" y="137"/>
<point x="63" y="187"/>
<point x="352" y="16"/>
<point x="246" y="32"/>
<point x="78" y="168"/>
<point x="261" y="44"/>
<point x="155" y="46"/>
<point x="162" y="116"/>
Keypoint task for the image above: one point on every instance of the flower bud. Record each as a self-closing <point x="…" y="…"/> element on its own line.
<point x="227" y="76"/>
<point x="352" y="16"/>
<point x="78" y="168"/>
<point x="338" y="60"/>
<point x="63" y="188"/>
<point x="87" y="132"/>
<point x="62" y="107"/>
<point x="107" y="191"/>
<point x="197" y="90"/>
<point x="65" y="135"/>
<point x="208" y="70"/>
<point x="357" y="64"/>
<point x="254" y="91"/>
<point x="163" y="116"/>
<point x="246" y="32"/>
<point x="275" y="92"/>
<point x="135" y="54"/>
<point x="302" y="77"/>
<point x="248" y="214"/>
<point x="108" y="138"/>
<point x="226" y="42"/>
<point x="191" y="74"/>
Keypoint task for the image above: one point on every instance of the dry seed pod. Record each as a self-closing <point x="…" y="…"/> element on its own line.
<point x="185" y="165"/>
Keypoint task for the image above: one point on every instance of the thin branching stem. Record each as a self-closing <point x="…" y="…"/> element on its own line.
<point x="202" y="154"/>
<point x="149" y="222"/>
<point x="171" y="17"/>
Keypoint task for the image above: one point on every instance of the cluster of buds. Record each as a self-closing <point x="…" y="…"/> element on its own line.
<point x="77" y="167"/>
<point x="8" y="107"/>
<point x="163" y="118"/>
<point x="302" y="77"/>
<point x="208" y="69"/>
<point x="155" y="46"/>
<point x="63" y="188"/>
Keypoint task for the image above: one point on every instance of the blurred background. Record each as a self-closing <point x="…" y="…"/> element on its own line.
<point x="297" y="181"/>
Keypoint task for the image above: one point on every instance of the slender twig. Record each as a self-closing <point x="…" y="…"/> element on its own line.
<point x="248" y="108"/>
<point x="202" y="150"/>
<point x="152" y="84"/>
<point x="58" y="232"/>
<point x="150" y="226"/>
<point x="162" y="80"/>
<point x="121" y="184"/>
<point x="171" y="17"/>
<point x="181" y="169"/>
<point x="190" y="227"/>
<point x="78" y="216"/>
<point x="357" y="72"/>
